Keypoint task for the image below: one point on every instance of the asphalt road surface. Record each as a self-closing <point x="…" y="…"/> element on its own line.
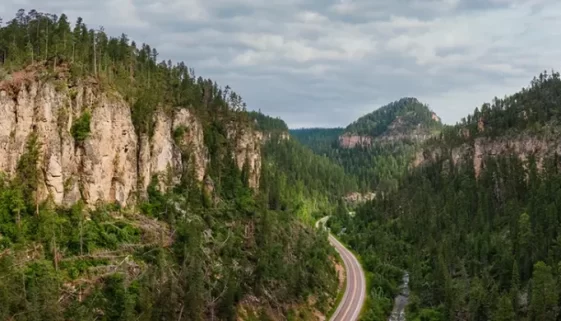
<point x="355" y="292"/>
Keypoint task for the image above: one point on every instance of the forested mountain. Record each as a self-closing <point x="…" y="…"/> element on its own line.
<point x="476" y="222"/>
<point x="130" y="189"/>
<point x="406" y="118"/>
<point x="377" y="148"/>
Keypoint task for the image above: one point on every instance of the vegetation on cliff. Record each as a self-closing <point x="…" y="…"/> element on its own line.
<point x="117" y="62"/>
<point x="215" y="249"/>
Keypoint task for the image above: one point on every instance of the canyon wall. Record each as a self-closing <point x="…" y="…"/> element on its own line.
<point x="475" y="152"/>
<point x="113" y="163"/>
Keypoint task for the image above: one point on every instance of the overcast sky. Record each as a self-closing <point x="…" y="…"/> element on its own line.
<point x="326" y="62"/>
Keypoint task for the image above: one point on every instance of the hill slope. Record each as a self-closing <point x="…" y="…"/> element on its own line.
<point x="133" y="190"/>
<point x="405" y="119"/>
<point x="476" y="223"/>
<point x="377" y="148"/>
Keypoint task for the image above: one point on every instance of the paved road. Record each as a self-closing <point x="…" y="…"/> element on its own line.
<point x="355" y="292"/>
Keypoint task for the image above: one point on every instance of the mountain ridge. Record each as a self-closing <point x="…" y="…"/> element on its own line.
<point x="403" y="119"/>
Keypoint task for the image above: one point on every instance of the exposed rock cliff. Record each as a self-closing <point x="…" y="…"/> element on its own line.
<point x="480" y="148"/>
<point x="247" y="149"/>
<point x="176" y="135"/>
<point x="351" y="141"/>
<point x="356" y="198"/>
<point x="112" y="164"/>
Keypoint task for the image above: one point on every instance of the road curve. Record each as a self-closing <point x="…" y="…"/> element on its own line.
<point x="355" y="293"/>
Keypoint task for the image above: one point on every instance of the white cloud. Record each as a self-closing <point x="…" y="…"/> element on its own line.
<point x="326" y="62"/>
<point x="125" y="12"/>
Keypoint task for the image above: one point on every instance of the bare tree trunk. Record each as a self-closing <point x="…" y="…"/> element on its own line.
<point x="95" y="58"/>
<point x="37" y="202"/>
<point x="47" y="43"/>
<point x="81" y="233"/>
<point x="180" y="313"/>
<point x="55" y="254"/>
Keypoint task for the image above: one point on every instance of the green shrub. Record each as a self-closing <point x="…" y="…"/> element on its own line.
<point x="178" y="133"/>
<point x="60" y="85"/>
<point x="81" y="127"/>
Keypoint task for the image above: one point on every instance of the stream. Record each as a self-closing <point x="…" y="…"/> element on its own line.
<point x="398" y="313"/>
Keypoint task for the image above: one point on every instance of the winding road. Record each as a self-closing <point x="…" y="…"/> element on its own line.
<point x="355" y="292"/>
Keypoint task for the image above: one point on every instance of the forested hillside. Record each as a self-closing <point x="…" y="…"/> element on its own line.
<point x="134" y="190"/>
<point x="321" y="141"/>
<point x="297" y="178"/>
<point x="477" y="222"/>
<point x="377" y="148"/>
<point x="405" y="117"/>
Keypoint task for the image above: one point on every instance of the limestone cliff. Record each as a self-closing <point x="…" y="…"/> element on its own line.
<point x="348" y="140"/>
<point x="476" y="151"/>
<point x="113" y="163"/>
<point x="247" y="144"/>
<point x="356" y="198"/>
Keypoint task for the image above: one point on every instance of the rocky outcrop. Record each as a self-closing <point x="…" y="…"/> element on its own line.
<point x="352" y="141"/>
<point x="480" y="148"/>
<point x="358" y="198"/>
<point x="348" y="140"/>
<point x="177" y="142"/>
<point x="397" y="132"/>
<point x="435" y="117"/>
<point x="101" y="168"/>
<point x="113" y="163"/>
<point x="247" y="149"/>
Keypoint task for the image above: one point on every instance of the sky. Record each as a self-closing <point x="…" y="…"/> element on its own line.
<point x="324" y="63"/>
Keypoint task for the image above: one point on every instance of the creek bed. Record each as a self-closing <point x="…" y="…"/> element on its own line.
<point x="401" y="300"/>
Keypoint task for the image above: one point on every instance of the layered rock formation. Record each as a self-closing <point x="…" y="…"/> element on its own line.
<point x="348" y="140"/>
<point x="397" y="131"/>
<point x="113" y="164"/>
<point x="359" y="198"/>
<point x="475" y="152"/>
<point x="247" y="149"/>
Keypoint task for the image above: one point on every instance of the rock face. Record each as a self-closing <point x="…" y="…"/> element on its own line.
<point x="247" y="149"/>
<point x="397" y="131"/>
<point x="113" y="164"/>
<point x="521" y="146"/>
<point x="351" y="141"/>
<point x="176" y="135"/>
<point x="358" y="198"/>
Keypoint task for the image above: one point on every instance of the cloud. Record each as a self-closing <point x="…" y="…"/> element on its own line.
<point x="324" y="63"/>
